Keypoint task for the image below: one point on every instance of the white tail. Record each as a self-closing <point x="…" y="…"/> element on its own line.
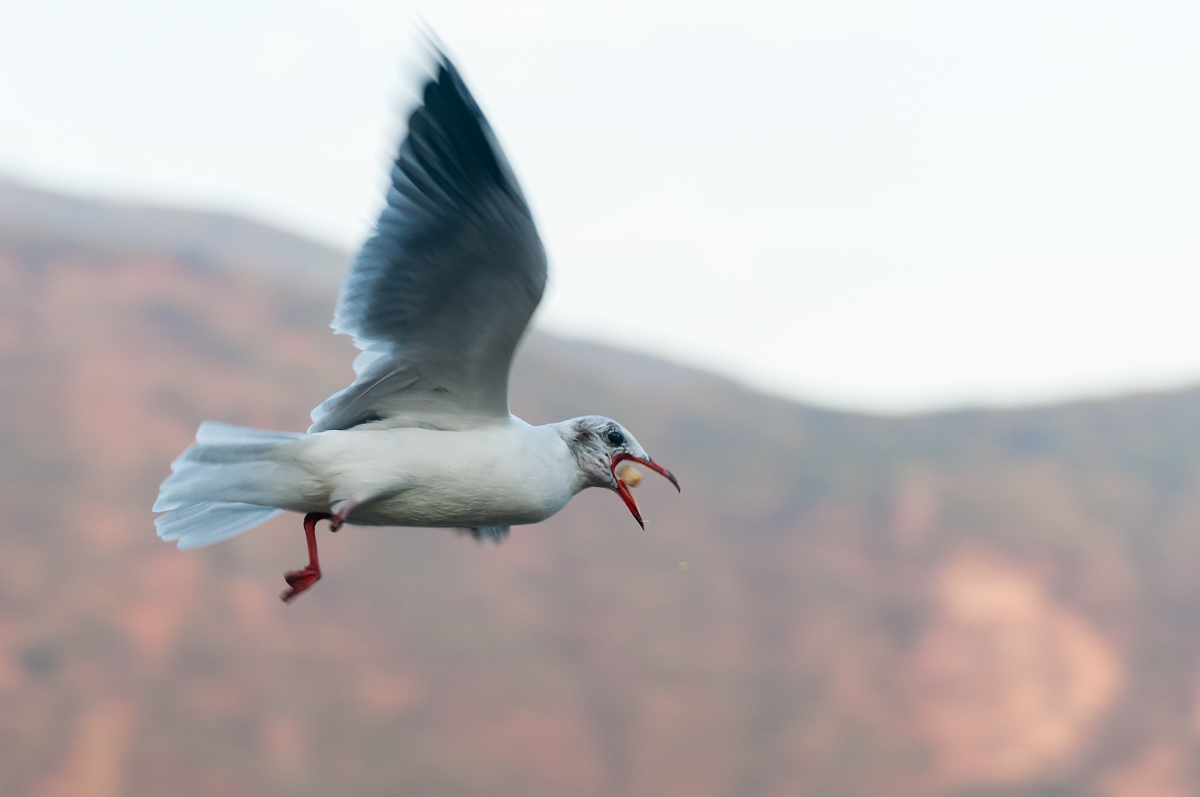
<point x="226" y="483"/>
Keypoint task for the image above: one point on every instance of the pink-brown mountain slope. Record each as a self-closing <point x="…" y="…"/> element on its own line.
<point x="972" y="603"/>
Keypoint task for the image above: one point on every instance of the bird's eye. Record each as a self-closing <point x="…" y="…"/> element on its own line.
<point x="615" y="438"/>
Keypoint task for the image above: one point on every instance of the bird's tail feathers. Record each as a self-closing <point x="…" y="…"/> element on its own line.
<point x="205" y="522"/>
<point x="229" y="481"/>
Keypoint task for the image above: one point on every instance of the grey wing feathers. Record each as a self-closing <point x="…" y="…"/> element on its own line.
<point x="489" y="534"/>
<point x="439" y="296"/>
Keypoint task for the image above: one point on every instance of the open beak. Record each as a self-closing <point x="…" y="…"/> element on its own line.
<point x="623" y="488"/>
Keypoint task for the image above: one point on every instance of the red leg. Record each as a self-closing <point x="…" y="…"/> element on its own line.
<point x="300" y="580"/>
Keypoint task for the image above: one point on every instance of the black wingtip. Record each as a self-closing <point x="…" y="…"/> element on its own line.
<point x="441" y="66"/>
<point x="450" y="137"/>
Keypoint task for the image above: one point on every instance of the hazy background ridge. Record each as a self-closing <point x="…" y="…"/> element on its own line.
<point x="967" y="603"/>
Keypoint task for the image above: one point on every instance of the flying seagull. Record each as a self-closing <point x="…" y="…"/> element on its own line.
<point x="436" y="300"/>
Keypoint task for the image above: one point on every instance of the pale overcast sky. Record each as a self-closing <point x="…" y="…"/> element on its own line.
<point x="876" y="205"/>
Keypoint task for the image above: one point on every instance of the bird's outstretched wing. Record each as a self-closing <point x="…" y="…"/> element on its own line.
<point x="439" y="296"/>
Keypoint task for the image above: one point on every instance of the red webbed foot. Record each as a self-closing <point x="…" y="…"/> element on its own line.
<point x="300" y="580"/>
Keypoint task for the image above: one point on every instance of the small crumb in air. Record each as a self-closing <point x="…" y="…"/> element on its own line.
<point x="683" y="565"/>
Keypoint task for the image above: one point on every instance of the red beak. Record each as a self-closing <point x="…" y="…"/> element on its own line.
<point x="623" y="488"/>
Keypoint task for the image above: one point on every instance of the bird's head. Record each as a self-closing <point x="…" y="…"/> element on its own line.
<point x="599" y="445"/>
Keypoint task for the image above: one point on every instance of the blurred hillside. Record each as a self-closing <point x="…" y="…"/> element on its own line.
<point x="970" y="603"/>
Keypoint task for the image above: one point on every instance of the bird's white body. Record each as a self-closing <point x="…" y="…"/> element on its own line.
<point x="436" y="300"/>
<point x="497" y="475"/>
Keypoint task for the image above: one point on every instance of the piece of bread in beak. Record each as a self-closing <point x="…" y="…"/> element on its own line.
<point x="629" y="474"/>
